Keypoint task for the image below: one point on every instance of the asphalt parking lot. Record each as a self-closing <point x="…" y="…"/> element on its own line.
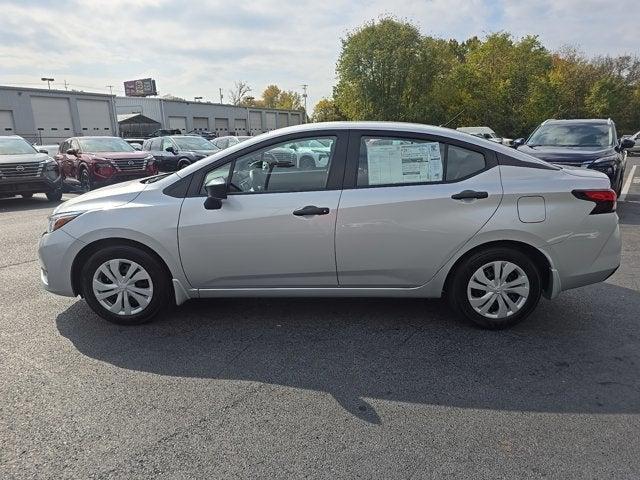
<point x="318" y="388"/>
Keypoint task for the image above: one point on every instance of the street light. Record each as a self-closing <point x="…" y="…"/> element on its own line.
<point x="48" y="80"/>
<point x="197" y="98"/>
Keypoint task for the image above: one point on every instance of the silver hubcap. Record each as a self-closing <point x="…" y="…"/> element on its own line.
<point x="498" y="289"/>
<point x="122" y="286"/>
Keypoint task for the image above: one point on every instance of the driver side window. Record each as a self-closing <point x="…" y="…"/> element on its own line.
<point x="292" y="166"/>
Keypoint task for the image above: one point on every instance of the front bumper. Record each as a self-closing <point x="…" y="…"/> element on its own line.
<point x="56" y="252"/>
<point x="41" y="184"/>
<point x="121" y="177"/>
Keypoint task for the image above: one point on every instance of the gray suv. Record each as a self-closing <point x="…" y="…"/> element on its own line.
<point x="175" y="152"/>
<point x="25" y="170"/>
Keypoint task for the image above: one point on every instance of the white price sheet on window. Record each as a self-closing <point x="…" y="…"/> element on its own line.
<point x="393" y="164"/>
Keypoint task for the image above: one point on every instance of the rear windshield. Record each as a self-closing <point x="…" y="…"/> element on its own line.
<point x="106" y="144"/>
<point x="15" y="146"/>
<point x="572" y="135"/>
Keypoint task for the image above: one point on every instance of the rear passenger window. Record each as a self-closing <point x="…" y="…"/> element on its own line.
<point x="462" y="162"/>
<point x="397" y="161"/>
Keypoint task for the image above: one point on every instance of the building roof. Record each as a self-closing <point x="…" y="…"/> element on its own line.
<point x="125" y="117"/>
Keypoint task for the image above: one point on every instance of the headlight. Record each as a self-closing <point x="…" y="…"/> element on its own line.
<point x="60" y="219"/>
<point x="149" y="158"/>
<point x="606" y="160"/>
<point x="51" y="169"/>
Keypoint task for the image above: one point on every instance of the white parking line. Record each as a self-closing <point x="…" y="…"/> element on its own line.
<point x="627" y="184"/>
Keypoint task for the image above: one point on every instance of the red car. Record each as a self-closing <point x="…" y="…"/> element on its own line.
<point x="92" y="162"/>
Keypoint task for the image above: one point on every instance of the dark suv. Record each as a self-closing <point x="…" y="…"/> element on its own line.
<point x="91" y="162"/>
<point x="25" y="170"/>
<point x="589" y="143"/>
<point x="177" y="151"/>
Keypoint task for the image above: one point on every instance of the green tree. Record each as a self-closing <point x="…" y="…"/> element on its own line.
<point x="326" y="111"/>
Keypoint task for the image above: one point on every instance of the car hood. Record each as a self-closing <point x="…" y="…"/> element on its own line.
<point x="567" y="154"/>
<point x="28" y="158"/>
<point x="119" y="155"/>
<point x="103" y="198"/>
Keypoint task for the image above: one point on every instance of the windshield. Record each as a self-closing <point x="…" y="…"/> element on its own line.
<point x="572" y="135"/>
<point x="194" y="143"/>
<point x="106" y="144"/>
<point x="15" y="146"/>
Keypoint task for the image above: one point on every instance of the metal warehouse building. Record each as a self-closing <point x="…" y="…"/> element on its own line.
<point x="215" y="117"/>
<point x="51" y="116"/>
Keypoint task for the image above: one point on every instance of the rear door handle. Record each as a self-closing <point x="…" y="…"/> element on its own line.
<point x="467" y="194"/>
<point x="311" y="210"/>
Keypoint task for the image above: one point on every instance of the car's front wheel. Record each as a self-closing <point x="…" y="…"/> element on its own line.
<point x="125" y="285"/>
<point x="495" y="288"/>
<point x="55" y="195"/>
<point x="86" y="185"/>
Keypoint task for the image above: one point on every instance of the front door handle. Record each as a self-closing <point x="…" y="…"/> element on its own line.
<point x="468" y="194"/>
<point x="311" y="210"/>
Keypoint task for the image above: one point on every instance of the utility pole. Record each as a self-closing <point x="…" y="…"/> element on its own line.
<point x="304" y="96"/>
<point x="110" y="87"/>
<point x="221" y="96"/>
<point x="48" y="80"/>
<point x="66" y="84"/>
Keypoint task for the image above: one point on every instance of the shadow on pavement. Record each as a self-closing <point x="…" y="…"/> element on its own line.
<point x="629" y="210"/>
<point x="17" y="204"/>
<point x="576" y="354"/>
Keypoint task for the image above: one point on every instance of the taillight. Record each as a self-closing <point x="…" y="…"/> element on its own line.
<point x="605" y="200"/>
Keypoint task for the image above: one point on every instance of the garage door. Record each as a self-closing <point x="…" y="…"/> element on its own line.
<point x="282" y="120"/>
<point x="52" y="118"/>
<point x="222" y="126"/>
<point x="255" y="122"/>
<point x="6" y="122"/>
<point x="240" y="126"/>
<point x="295" y="119"/>
<point x="200" y="123"/>
<point x="95" y="117"/>
<point x="179" y="123"/>
<point x="271" y="121"/>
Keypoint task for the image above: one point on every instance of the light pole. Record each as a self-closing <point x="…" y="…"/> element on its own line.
<point x="48" y="80"/>
<point x="197" y="99"/>
<point x="304" y="96"/>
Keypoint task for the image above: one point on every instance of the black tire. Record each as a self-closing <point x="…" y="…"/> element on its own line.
<point x="183" y="162"/>
<point x="27" y="195"/>
<point x="86" y="185"/>
<point x="457" y="287"/>
<point x="618" y="189"/>
<point x="162" y="290"/>
<point x="54" y="196"/>
<point x="307" y="163"/>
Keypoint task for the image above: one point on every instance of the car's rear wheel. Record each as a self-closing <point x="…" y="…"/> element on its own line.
<point x="307" y="163"/>
<point x="495" y="288"/>
<point x="183" y="162"/>
<point x="125" y="285"/>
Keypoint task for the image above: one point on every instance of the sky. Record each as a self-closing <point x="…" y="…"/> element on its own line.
<point x="195" y="48"/>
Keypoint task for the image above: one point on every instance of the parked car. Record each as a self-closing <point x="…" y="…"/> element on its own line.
<point x="635" y="150"/>
<point x="178" y="151"/>
<point x="206" y="134"/>
<point x="310" y="154"/>
<point x="51" y="150"/>
<point x="92" y="162"/>
<point x="229" y="141"/>
<point x="162" y="132"/>
<point x="443" y="213"/>
<point x="486" y="133"/>
<point x="591" y="143"/>
<point x="25" y="170"/>
<point x="136" y="143"/>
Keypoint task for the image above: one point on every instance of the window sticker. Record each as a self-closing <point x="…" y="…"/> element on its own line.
<point x="391" y="164"/>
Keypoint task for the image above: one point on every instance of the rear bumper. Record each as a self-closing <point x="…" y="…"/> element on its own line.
<point x="42" y="184"/>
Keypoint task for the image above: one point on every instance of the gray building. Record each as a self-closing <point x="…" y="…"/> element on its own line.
<point x="215" y="117"/>
<point x="50" y="116"/>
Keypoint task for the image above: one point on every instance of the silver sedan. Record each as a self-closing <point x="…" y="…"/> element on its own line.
<point x="398" y="210"/>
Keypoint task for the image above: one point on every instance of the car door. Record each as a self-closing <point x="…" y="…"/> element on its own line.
<point x="409" y="203"/>
<point x="61" y="158"/>
<point x="275" y="229"/>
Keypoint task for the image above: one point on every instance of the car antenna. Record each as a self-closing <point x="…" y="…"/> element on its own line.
<point x="447" y="123"/>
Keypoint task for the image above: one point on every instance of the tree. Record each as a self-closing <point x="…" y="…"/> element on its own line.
<point x="327" y="111"/>
<point x="240" y="92"/>
<point x="274" y="97"/>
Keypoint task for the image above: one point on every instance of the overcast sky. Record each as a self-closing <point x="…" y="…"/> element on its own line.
<point x="195" y="48"/>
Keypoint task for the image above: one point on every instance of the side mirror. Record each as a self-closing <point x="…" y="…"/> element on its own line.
<point x="518" y="142"/>
<point x="626" y="143"/>
<point x="170" y="149"/>
<point x="43" y="151"/>
<point x="72" y="151"/>
<point x="216" y="192"/>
